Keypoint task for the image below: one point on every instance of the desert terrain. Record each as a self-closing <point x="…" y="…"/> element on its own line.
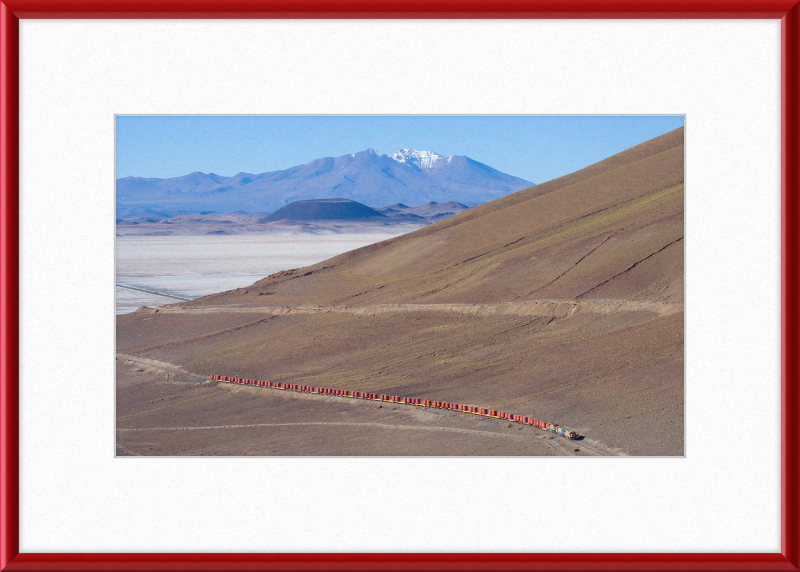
<point x="563" y="301"/>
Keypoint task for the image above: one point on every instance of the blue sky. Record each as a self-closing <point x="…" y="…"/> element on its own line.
<point x="533" y="148"/>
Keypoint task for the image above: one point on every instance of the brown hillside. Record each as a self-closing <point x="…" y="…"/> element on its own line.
<point x="563" y="301"/>
<point x="611" y="230"/>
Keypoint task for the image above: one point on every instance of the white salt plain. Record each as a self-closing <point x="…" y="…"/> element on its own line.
<point x="195" y="266"/>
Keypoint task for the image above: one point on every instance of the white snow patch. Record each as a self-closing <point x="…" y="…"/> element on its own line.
<point x="419" y="159"/>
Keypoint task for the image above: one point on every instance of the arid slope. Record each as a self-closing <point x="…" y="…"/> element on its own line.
<point x="612" y="230"/>
<point x="563" y="301"/>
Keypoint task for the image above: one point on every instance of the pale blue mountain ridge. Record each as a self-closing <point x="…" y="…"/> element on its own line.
<point x="368" y="177"/>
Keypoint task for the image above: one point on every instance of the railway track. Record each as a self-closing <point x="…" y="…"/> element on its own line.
<point x="594" y="447"/>
<point x="177" y="373"/>
<point x="171" y="371"/>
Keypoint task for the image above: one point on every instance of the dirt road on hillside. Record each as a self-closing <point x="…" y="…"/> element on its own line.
<point x="558" y="308"/>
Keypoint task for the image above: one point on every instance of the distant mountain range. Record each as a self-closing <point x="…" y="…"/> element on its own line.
<point x="410" y="177"/>
<point x="319" y="216"/>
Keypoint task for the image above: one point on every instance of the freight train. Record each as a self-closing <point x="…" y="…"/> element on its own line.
<point x="483" y="411"/>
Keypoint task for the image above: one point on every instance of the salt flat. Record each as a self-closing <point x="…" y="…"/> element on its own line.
<point x="195" y="266"/>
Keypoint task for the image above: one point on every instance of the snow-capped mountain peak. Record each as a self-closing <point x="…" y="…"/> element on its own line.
<point x="419" y="159"/>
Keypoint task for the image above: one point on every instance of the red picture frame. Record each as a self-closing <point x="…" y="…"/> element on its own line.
<point x="10" y="13"/>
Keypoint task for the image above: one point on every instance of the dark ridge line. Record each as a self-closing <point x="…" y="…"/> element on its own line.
<point x="560" y="225"/>
<point x="574" y="265"/>
<point x="629" y="268"/>
<point x="515" y="242"/>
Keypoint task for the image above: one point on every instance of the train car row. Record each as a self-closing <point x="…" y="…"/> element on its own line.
<point x="483" y="411"/>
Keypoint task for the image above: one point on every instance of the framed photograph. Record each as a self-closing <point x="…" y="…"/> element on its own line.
<point x="452" y="287"/>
